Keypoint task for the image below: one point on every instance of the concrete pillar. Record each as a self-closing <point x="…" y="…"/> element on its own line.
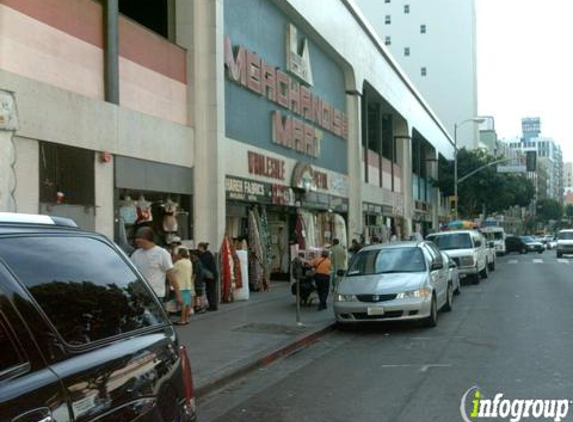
<point x="434" y="199"/>
<point x="355" y="167"/>
<point x="104" y="195"/>
<point x="111" y="51"/>
<point x="8" y="125"/>
<point x="403" y="136"/>
<point x="200" y="30"/>
<point x="27" y="175"/>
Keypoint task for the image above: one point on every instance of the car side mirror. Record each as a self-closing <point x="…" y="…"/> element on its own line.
<point x="478" y="244"/>
<point x="436" y="265"/>
<point x="453" y="265"/>
<point x="491" y="245"/>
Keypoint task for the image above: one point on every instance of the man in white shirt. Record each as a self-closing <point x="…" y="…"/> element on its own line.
<point x="154" y="263"/>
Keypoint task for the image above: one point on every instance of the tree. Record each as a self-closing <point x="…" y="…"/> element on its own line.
<point x="549" y="209"/>
<point x="486" y="191"/>
<point x="569" y="210"/>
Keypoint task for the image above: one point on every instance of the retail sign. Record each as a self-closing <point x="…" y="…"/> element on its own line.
<point x="298" y="55"/>
<point x="246" y="190"/>
<point x="301" y="129"/>
<point x="261" y="165"/>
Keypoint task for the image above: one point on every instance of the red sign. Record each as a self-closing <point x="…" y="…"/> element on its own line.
<point x="262" y="165"/>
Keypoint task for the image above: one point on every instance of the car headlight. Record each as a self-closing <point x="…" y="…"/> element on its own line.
<point x="345" y="298"/>
<point x="467" y="261"/>
<point x="415" y="294"/>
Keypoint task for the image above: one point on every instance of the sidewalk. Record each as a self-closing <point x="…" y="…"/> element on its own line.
<point x="241" y="336"/>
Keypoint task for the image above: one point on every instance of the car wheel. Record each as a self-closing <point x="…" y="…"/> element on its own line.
<point x="458" y="290"/>
<point x="484" y="273"/>
<point x="523" y="251"/>
<point x="449" y="299"/>
<point x="559" y="255"/>
<point x="491" y="266"/>
<point x="475" y="279"/>
<point x="541" y="251"/>
<point x="432" y="320"/>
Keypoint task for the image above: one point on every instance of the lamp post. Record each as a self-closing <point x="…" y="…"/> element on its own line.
<point x="475" y="120"/>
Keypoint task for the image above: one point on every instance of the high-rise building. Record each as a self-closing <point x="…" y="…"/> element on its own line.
<point x="568" y="176"/>
<point x="530" y="127"/>
<point x="435" y="44"/>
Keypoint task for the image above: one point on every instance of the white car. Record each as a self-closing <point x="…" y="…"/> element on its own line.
<point x="468" y="249"/>
<point x="564" y="243"/>
<point x="454" y="273"/>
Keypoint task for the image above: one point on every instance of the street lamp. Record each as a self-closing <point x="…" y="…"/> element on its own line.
<point x="476" y="119"/>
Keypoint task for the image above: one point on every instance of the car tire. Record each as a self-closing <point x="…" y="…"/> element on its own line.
<point x="559" y="255"/>
<point x="484" y="273"/>
<point x="475" y="279"/>
<point x="491" y="266"/>
<point x="432" y="320"/>
<point x="458" y="290"/>
<point x="449" y="299"/>
<point x="541" y="251"/>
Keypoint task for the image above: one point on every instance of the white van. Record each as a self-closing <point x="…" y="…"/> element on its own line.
<point x="564" y="242"/>
<point x="468" y="248"/>
<point x="497" y="236"/>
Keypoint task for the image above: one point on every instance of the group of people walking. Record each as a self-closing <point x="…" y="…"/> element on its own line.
<point x="317" y="273"/>
<point x="188" y="278"/>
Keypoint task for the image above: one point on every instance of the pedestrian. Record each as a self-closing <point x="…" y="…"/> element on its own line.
<point x="322" y="267"/>
<point x="339" y="262"/>
<point x="200" y="303"/>
<point x="301" y="275"/>
<point x="154" y="263"/>
<point x="183" y="271"/>
<point x="355" y="246"/>
<point x="209" y="275"/>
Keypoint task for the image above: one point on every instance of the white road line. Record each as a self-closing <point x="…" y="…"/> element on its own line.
<point x="538" y="261"/>
<point x="423" y="368"/>
<point x="512" y="261"/>
<point x="563" y="261"/>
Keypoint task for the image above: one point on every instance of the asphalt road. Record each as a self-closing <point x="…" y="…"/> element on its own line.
<point x="511" y="334"/>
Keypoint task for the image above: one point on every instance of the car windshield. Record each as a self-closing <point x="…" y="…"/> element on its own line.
<point x="527" y="239"/>
<point x="447" y="242"/>
<point x="392" y="260"/>
<point x="565" y="236"/>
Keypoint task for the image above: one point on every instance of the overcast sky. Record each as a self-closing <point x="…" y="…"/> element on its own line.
<point x="525" y="66"/>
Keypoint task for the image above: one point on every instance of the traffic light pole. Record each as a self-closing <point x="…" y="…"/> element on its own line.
<point x="471" y="173"/>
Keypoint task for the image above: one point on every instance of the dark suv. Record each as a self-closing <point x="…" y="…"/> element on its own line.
<point x="82" y="336"/>
<point x="515" y="244"/>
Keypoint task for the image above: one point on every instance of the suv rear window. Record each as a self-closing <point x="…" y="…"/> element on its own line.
<point x="565" y="236"/>
<point x="452" y="241"/>
<point x="85" y="288"/>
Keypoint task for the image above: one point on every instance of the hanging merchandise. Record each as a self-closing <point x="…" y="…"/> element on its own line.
<point x="143" y="208"/>
<point x="128" y="211"/>
<point x="255" y="254"/>
<point x="299" y="231"/>
<point x="267" y="248"/>
<point x="169" y="218"/>
<point x="309" y="229"/>
<point x="122" y="238"/>
<point x="237" y="273"/>
<point x="242" y="293"/>
<point x="226" y="272"/>
<point x="340" y="230"/>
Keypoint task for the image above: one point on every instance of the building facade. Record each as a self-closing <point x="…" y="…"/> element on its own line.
<point x="200" y="117"/>
<point x="568" y="176"/>
<point x="435" y="43"/>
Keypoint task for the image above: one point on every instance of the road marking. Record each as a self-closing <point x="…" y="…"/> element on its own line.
<point x="538" y="261"/>
<point x="563" y="261"/>
<point x="512" y="261"/>
<point x="423" y="368"/>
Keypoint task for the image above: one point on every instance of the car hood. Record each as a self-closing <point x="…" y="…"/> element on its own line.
<point x="456" y="253"/>
<point x="381" y="283"/>
<point x="534" y="243"/>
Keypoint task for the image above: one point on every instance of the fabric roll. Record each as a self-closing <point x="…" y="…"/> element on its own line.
<point x="242" y="293"/>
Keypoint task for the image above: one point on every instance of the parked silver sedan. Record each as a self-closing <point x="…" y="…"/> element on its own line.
<point x="398" y="281"/>
<point x="454" y="273"/>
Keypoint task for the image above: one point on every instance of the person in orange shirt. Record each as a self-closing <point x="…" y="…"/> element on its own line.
<point x="322" y="277"/>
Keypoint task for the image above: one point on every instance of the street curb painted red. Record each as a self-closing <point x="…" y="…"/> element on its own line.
<point x="261" y="360"/>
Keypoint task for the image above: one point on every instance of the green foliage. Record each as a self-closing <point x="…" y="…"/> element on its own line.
<point x="569" y="210"/>
<point x="486" y="190"/>
<point x="549" y="209"/>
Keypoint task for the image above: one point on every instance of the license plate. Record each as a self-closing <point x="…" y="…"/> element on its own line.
<point x="375" y="311"/>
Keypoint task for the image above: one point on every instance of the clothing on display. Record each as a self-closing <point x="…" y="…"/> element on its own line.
<point x="267" y="248"/>
<point x="227" y="269"/>
<point x="128" y="211"/>
<point x="143" y="208"/>
<point x="299" y="231"/>
<point x="255" y="254"/>
<point x="169" y="218"/>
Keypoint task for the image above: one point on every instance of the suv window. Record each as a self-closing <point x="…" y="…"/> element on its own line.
<point x="85" y="288"/>
<point x="565" y="236"/>
<point x="9" y="356"/>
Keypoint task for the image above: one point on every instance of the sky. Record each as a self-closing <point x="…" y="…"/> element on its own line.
<point x="525" y="66"/>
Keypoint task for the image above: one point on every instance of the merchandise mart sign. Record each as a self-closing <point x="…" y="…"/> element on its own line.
<point x="308" y="115"/>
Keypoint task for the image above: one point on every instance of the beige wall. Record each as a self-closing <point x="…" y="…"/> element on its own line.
<point x="27" y="175"/>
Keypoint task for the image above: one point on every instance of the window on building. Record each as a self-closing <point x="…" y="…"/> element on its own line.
<point x="388" y="142"/>
<point x="374" y="127"/>
<point x="407" y="51"/>
<point x="153" y="14"/>
<point x="406" y="8"/>
<point x="386" y="1"/>
<point x="424" y="71"/>
<point x="422" y="29"/>
<point x="68" y="170"/>
<point x="388" y="20"/>
<point x="388" y="41"/>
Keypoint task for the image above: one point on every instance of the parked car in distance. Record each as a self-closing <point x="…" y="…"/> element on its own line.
<point x="515" y="244"/>
<point x="454" y="274"/>
<point x="82" y="335"/>
<point x="491" y="255"/>
<point x="564" y="242"/>
<point x="551" y="242"/>
<point x="468" y="249"/>
<point x="532" y="244"/>
<point x="394" y="282"/>
<point x="496" y="235"/>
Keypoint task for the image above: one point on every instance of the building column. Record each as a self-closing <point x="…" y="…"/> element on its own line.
<point x="104" y="196"/>
<point x="432" y="160"/>
<point x="8" y="125"/>
<point x="355" y="167"/>
<point x="200" y="29"/>
<point x="403" y="136"/>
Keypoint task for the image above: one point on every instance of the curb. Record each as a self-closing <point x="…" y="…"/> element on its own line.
<point x="261" y="360"/>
